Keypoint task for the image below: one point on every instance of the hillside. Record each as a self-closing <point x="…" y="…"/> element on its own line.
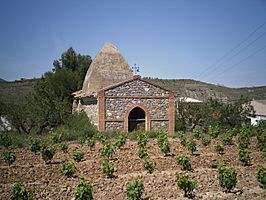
<point x="15" y="91"/>
<point x="203" y="91"/>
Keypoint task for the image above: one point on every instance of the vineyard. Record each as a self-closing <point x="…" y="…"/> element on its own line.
<point x="144" y="165"/>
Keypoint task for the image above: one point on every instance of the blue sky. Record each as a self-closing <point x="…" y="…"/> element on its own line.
<point x="216" y="41"/>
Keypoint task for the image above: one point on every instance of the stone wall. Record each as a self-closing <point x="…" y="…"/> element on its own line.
<point x="121" y="99"/>
<point x="137" y="88"/>
<point x="159" y="125"/>
<point x="113" y="126"/>
<point x="92" y="113"/>
<point x="116" y="108"/>
<point x="90" y="107"/>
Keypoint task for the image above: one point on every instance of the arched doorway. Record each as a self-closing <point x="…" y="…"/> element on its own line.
<point x="136" y="119"/>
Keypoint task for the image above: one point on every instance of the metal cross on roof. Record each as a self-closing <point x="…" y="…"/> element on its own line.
<point x="135" y="69"/>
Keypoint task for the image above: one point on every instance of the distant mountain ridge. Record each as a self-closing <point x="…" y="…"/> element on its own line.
<point x="203" y="91"/>
<point x="14" y="91"/>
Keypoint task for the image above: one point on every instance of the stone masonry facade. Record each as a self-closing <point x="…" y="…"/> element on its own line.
<point x="116" y="102"/>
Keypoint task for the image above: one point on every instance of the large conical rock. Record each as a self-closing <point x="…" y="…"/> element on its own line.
<point x="108" y="67"/>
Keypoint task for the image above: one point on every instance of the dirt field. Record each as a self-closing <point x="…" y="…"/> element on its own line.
<point x="46" y="181"/>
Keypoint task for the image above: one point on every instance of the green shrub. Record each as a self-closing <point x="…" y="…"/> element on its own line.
<point x="107" y="151"/>
<point x="180" y="124"/>
<point x="213" y="131"/>
<point x="184" y="162"/>
<point x="227" y="137"/>
<point x="68" y="134"/>
<point x="191" y="145"/>
<point x="121" y="141"/>
<point x="142" y="153"/>
<point x="180" y="133"/>
<point x="67" y="168"/>
<point x="56" y="137"/>
<point x="135" y="189"/>
<point x="80" y="123"/>
<point x="78" y="155"/>
<point x="149" y="165"/>
<point x="142" y="139"/>
<point x="91" y="142"/>
<point x="261" y="138"/>
<point x="19" y="192"/>
<point x="219" y="148"/>
<point x="5" y="140"/>
<point x="84" y="191"/>
<point x="243" y="138"/>
<point x="244" y="157"/>
<point x="185" y="184"/>
<point x="261" y="176"/>
<point x="243" y="144"/>
<point x="206" y="140"/>
<point x="101" y="137"/>
<point x="165" y="148"/>
<point x="64" y="147"/>
<point x="9" y="157"/>
<point x="161" y="137"/>
<point x="35" y="145"/>
<point x="13" y="139"/>
<point x="197" y="134"/>
<point x="47" y="153"/>
<point x="108" y="168"/>
<point x="227" y="177"/>
<point x="163" y="142"/>
<point x="82" y="139"/>
<point x="183" y="138"/>
<point x="234" y="131"/>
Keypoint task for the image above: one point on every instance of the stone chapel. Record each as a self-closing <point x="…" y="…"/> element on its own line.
<point x="115" y="100"/>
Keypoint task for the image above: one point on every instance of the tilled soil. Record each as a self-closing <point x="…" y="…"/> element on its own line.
<point x="46" y="181"/>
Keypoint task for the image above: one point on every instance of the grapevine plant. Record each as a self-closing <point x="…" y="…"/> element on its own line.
<point x="91" y="142"/>
<point x="219" y="148"/>
<point x="78" y="155"/>
<point x="122" y="138"/>
<point x="107" y="151"/>
<point x="244" y="157"/>
<point x="191" y="145"/>
<point x="9" y="157"/>
<point x="227" y="177"/>
<point x="149" y="165"/>
<point x="135" y="189"/>
<point x="261" y="176"/>
<point x="142" y="139"/>
<point x="142" y="152"/>
<point x="206" y="140"/>
<point x="19" y="192"/>
<point x="108" y="168"/>
<point x="67" y="168"/>
<point x="163" y="142"/>
<point x="84" y="191"/>
<point x="35" y="145"/>
<point x="47" y="153"/>
<point x="185" y="184"/>
<point x="64" y="147"/>
<point x="184" y="161"/>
